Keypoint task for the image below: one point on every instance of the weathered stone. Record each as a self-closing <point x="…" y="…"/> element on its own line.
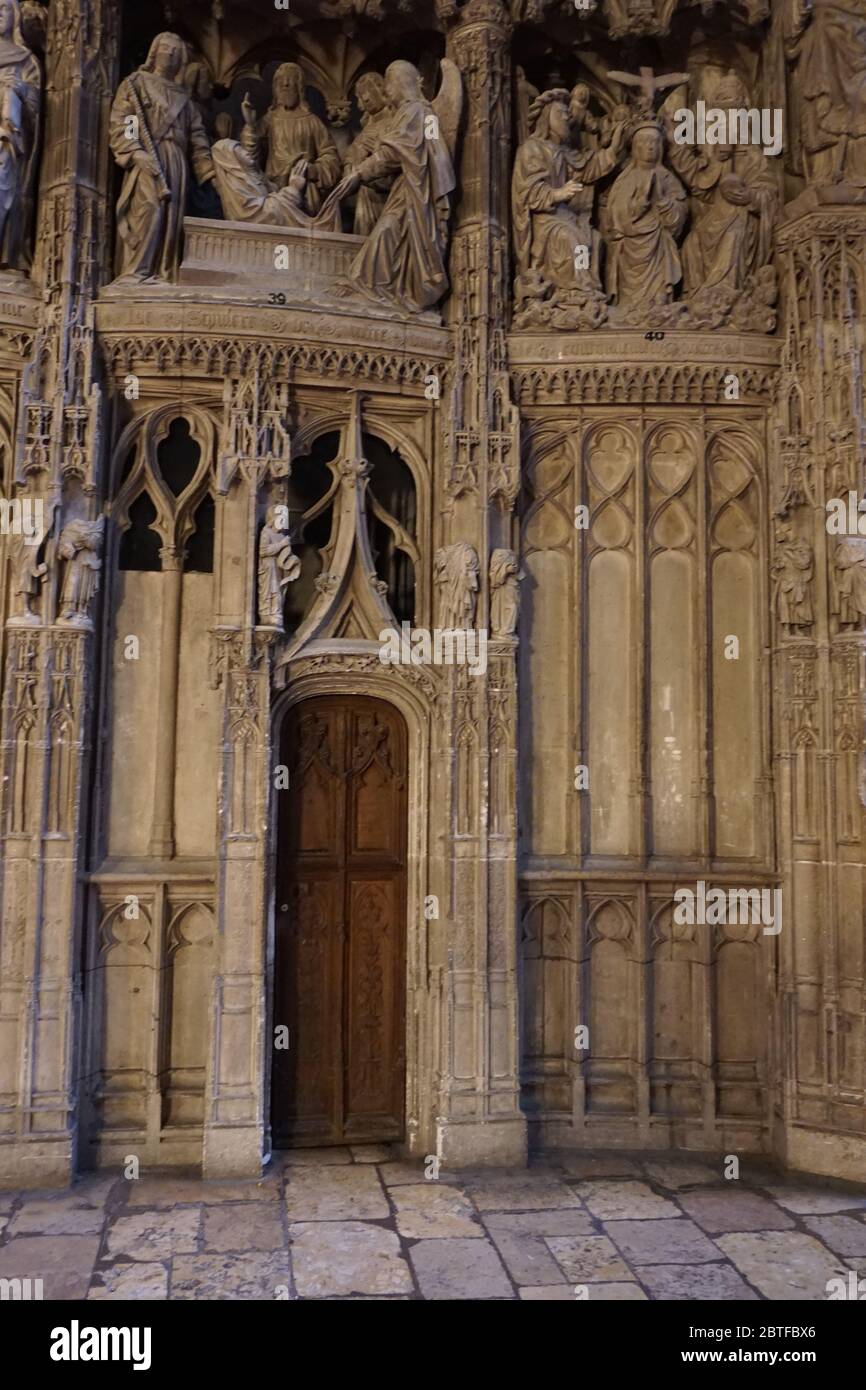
<point x="432" y="1210"/>
<point x="519" y="1192"/>
<point x="459" y="1269"/>
<point x="335" y="1194"/>
<point x="810" y="1201"/>
<point x="844" y="1235"/>
<point x="173" y="1192"/>
<point x="53" y="1216"/>
<point x="708" y="1282"/>
<point x="661" y="1242"/>
<point x="678" y="1175"/>
<point x="614" y="1201"/>
<point x="63" y="1263"/>
<point x="735" y="1210"/>
<point x="335" y="1259"/>
<point x="253" y="1275"/>
<point x="783" y="1264"/>
<point x="245" y="1226"/>
<point x="527" y="1258"/>
<point x="154" y="1235"/>
<point x="129" y="1281"/>
<point x="587" y="1259"/>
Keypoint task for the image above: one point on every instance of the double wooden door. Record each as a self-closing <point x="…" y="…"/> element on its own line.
<point x="340" y="924"/>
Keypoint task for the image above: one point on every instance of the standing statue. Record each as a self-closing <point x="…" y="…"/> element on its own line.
<point x="80" y="546"/>
<point x="793" y="571"/>
<point x="556" y="249"/>
<point x="373" y="105"/>
<point x="28" y="574"/>
<point x="291" y="132"/>
<point x="647" y="209"/>
<point x="850" y="565"/>
<point x="456" y="572"/>
<point x="505" y="579"/>
<point x="154" y="125"/>
<point x="402" y="263"/>
<point x="734" y="211"/>
<point x="20" y="100"/>
<point x="826" y="44"/>
<point x="278" y="566"/>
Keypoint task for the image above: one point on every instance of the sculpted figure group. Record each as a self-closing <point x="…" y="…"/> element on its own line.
<point x="652" y="255"/>
<point x="285" y="171"/>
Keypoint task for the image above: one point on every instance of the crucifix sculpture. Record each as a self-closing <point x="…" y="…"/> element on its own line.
<point x="649" y="84"/>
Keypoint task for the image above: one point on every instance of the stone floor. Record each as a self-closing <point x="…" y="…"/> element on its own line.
<point x="341" y="1223"/>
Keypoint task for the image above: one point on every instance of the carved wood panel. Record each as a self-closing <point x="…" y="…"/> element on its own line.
<point x="340" y="933"/>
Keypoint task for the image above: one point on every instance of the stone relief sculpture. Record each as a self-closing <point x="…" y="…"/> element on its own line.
<point x="456" y="573"/>
<point x="647" y="211"/>
<point x="375" y="116"/>
<point x="278" y="566"/>
<point x="247" y="195"/>
<point x="155" y="128"/>
<point x="826" y="45"/>
<point x="727" y="253"/>
<point x="20" y="103"/>
<point x="793" y="571"/>
<point x="505" y="579"/>
<point x="80" y="546"/>
<point x="556" y="248"/>
<point x="402" y="263"/>
<point x="292" y="132"/>
<point x="850" y="566"/>
<point x="28" y="574"/>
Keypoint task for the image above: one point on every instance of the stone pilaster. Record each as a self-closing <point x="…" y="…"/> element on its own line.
<point x="818" y="693"/>
<point x="45" y="729"/>
<point x="480" y="1119"/>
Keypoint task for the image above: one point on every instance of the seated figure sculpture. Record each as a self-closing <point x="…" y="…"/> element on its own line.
<point x="556" y="248"/>
<point x="647" y="211"/>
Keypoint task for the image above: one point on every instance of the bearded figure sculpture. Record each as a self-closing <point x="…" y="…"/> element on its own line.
<point x="291" y="132"/>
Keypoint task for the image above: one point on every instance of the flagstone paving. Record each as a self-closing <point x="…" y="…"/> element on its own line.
<point x="362" y="1223"/>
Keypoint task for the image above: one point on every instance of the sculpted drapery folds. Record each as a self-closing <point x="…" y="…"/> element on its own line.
<point x="793" y="572"/>
<point x="80" y="546"/>
<point x="556" y="248"/>
<point x="247" y="195"/>
<point x="155" y="127"/>
<point x="456" y="572"/>
<point x="292" y="132"/>
<point x="278" y="565"/>
<point x="375" y="116"/>
<point x="826" y="43"/>
<point x="20" y="100"/>
<point x="402" y="263"/>
<point x="729" y="247"/>
<point x="647" y="211"/>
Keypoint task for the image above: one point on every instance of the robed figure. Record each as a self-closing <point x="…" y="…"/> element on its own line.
<point x="646" y="211"/>
<point x="826" y="41"/>
<point x="290" y="131"/>
<point x="20" y="99"/>
<point x="556" y="249"/>
<point x="247" y="195"/>
<point x="155" y="129"/>
<point x="402" y="262"/>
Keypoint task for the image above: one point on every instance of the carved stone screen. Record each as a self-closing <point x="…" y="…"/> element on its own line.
<point x="434" y="427"/>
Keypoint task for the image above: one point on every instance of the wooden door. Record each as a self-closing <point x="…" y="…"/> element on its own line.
<point x="341" y="924"/>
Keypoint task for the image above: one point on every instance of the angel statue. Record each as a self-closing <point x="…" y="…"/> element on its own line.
<point x="402" y="262"/>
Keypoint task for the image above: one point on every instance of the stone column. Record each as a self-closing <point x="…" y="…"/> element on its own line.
<point x="254" y="457"/>
<point x="479" y="1119"/>
<point x="45" y="716"/>
<point x="819" y="689"/>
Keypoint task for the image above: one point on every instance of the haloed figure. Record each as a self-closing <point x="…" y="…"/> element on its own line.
<point x="155" y="127"/>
